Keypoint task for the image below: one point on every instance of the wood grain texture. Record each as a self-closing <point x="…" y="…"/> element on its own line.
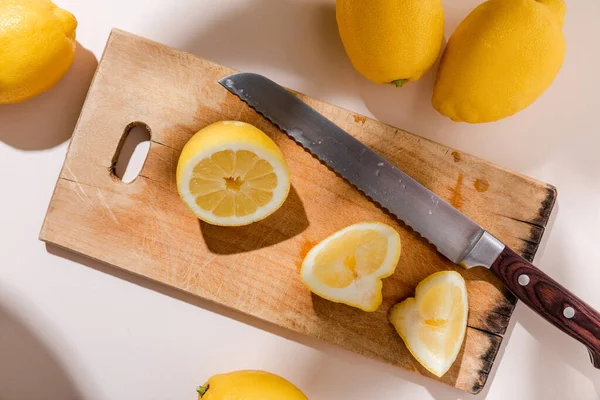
<point x="143" y="227"/>
<point x="549" y="299"/>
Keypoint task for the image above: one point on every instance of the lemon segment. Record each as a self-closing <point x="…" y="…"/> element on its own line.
<point x="434" y="322"/>
<point x="348" y="266"/>
<point x="232" y="174"/>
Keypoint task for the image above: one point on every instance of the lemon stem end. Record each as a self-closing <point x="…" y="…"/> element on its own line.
<point x="202" y="390"/>
<point x="399" y="82"/>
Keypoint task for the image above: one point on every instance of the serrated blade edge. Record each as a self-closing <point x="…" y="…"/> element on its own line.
<point x="453" y="233"/>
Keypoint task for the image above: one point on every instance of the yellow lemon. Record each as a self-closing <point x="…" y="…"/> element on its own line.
<point x="37" y="47"/>
<point x="500" y="59"/>
<point x="249" y="385"/>
<point x="231" y="174"/>
<point x="434" y="322"/>
<point x="391" y="41"/>
<point x="348" y="266"/>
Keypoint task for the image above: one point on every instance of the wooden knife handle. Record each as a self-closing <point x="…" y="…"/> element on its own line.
<point x="551" y="300"/>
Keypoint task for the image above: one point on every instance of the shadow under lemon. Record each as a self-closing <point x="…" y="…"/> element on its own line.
<point x="559" y="356"/>
<point x="374" y="334"/>
<point x="29" y="369"/>
<point x="288" y="221"/>
<point x="309" y="50"/>
<point x="48" y="120"/>
<point x="519" y="142"/>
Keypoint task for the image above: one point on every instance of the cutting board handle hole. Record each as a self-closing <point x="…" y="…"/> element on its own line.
<point x="132" y="152"/>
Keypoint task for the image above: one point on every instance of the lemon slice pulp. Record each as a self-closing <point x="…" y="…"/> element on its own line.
<point x="348" y="266"/>
<point x="232" y="174"/>
<point x="434" y="322"/>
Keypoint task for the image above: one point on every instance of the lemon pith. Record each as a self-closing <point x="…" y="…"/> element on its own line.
<point x="37" y="42"/>
<point x="433" y="323"/>
<point x="230" y="173"/>
<point x="348" y="266"/>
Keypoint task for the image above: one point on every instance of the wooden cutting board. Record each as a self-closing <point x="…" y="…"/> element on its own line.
<point x="143" y="227"/>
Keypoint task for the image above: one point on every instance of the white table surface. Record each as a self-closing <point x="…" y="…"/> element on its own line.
<point x="73" y="329"/>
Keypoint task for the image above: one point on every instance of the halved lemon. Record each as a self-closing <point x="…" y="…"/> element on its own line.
<point x="434" y="322"/>
<point x="348" y="266"/>
<point x="231" y="174"/>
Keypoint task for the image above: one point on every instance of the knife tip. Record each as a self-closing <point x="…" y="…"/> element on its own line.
<point x="226" y="82"/>
<point x="229" y="80"/>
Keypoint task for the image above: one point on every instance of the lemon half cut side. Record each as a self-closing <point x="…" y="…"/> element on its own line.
<point x="232" y="174"/>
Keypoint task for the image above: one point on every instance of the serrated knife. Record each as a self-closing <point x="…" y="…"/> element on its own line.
<point x="454" y="235"/>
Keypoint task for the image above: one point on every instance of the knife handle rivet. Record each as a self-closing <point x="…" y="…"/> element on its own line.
<point x="569" y="312"/>
<point x="524" y="280"/>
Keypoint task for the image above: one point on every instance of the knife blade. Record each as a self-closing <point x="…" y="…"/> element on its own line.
<point x="450" y="231"/>
<point x="454" y="235"/>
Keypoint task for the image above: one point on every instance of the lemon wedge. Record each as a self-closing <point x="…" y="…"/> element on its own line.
<point x="434" y="322"/>
<point x="231" y="174"/>
<point x="348" y="266"/>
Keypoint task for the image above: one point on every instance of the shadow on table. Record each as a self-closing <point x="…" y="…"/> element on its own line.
<point x="335" y="355"/>
<point x="558" y="352"/>
<point x="324" y="380"/>
<point x="309" y="47"/>
<point x="29" y="370"/>
<point x="47" y="120"/>
<point x="311" y="51"/>
<point x="288" y="221"/>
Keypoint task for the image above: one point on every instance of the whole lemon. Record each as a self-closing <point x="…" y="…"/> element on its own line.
<point x="249" y="385"/>
<point x="500" y="59"/>
<point x="391" y="41"/>
<point x="37" y="47"/>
